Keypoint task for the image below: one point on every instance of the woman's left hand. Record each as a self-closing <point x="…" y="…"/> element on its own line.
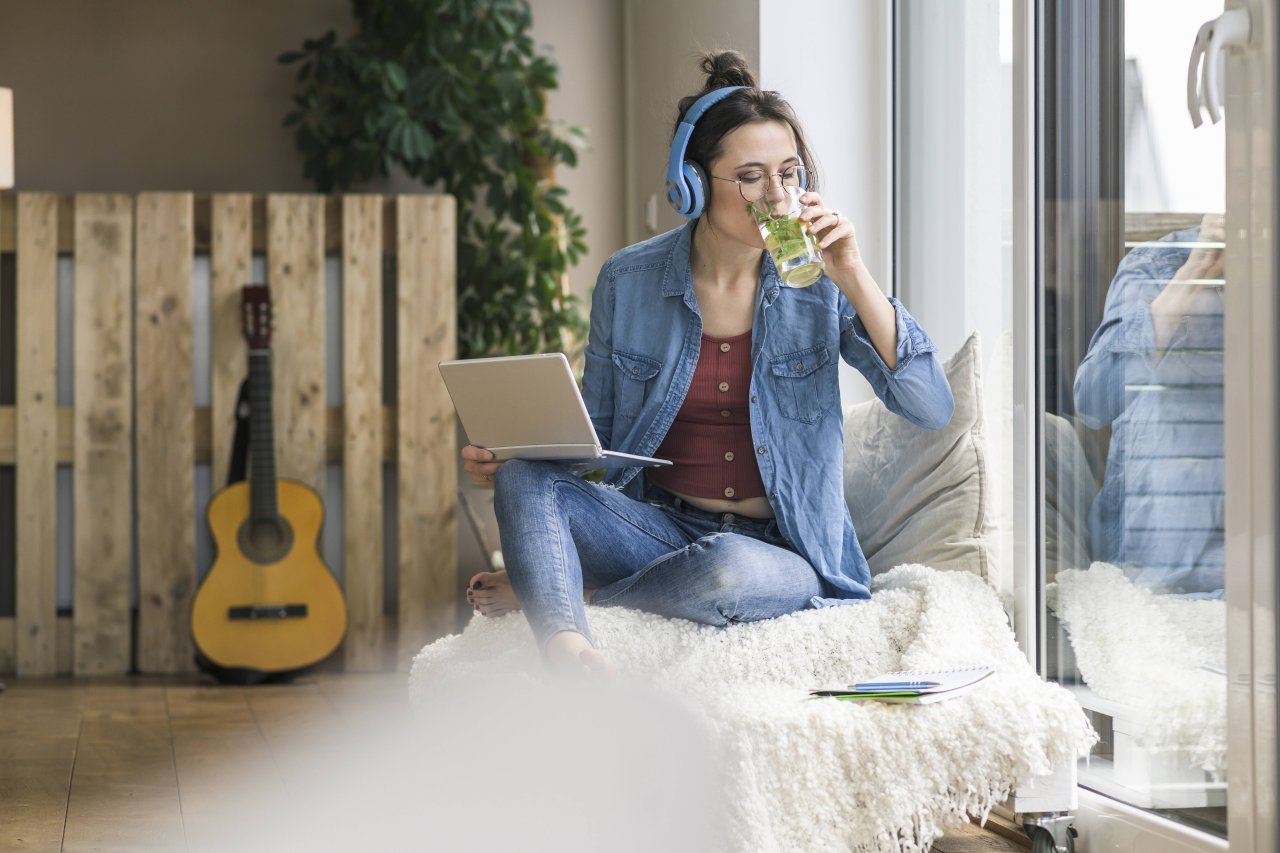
<point x="834" y="232"/>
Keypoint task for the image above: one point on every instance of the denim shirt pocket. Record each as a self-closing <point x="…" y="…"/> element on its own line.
<point x="798" y="381"/>
<point x="635" y="372"/>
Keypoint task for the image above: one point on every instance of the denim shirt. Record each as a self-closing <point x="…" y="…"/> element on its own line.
<point x="1160" y="512"/>
<point x="646" y="333"/>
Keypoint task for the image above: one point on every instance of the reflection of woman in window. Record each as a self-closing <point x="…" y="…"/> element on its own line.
<point x="698" y="354"/>
<point x="1153" y="373"/>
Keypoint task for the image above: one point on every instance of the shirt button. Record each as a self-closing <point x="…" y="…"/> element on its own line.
<point x="773" y="496"/>
<point x="799" y="365"/>
<point x="753" y="398"/>
<point x="635" y="370"/>
<point x="728" y="457"/>
<point x="724" y="348"/>
<point x="728" y="493"/>
<point x="724" y="413"/>
<point x="724" y="386"/>
<point x="760" y="450"/>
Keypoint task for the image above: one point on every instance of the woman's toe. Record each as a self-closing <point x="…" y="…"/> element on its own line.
<point x="596" y="662"/>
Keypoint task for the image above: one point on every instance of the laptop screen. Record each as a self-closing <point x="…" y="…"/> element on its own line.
<point x="519" y="401"/>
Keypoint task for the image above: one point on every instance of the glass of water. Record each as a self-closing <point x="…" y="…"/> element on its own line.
<point x="794" y="250"/>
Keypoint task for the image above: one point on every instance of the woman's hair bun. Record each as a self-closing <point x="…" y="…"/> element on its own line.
<point x="726" y="68"/>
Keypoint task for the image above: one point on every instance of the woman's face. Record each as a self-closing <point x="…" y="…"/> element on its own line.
<point x="767" y="146"/>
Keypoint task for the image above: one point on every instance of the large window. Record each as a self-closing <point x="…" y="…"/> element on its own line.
<point x="1133" y="510"/>
<point x="1115" y="493"/>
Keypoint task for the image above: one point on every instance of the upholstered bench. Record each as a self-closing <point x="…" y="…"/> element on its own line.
<point x="795" y="773"/>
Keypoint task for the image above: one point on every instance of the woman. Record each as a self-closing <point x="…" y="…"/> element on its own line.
<point x="697" y="354"/>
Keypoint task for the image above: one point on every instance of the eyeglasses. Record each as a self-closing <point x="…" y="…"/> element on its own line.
<point x="753" y="185"/>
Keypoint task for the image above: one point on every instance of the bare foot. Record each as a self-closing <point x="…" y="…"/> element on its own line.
<point x="597" y="664"/>
<point x="571" y="653"/>
<point x="490" y="594"/>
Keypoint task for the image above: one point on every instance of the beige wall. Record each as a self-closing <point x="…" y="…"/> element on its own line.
<point x="664" y="40"/>
<point x="134" y="95"/>
<point x="139" y="95"/>
<point x="586" y="40"/>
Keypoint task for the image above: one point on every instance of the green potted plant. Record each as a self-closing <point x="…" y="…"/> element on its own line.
<point x="453" y="93"/>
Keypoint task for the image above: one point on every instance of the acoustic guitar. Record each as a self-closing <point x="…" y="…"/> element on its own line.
<point x="269" y="605"/>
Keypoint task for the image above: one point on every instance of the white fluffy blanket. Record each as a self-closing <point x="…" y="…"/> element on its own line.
<point x="1164" y="657"/>
<point x="801" y="774"/>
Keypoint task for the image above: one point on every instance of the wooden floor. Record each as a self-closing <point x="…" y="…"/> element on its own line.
<point x="148" y="764"/>
<point x="142" y="764"/>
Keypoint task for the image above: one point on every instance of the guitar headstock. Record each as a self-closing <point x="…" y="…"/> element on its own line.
<point x="255" y="306"/>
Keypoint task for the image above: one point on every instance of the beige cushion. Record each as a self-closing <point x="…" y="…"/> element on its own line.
<point x="919" y="495"/>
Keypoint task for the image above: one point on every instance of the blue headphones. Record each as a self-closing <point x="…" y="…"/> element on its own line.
<point x="687" y="187"/>
<point x="686" y="182"/>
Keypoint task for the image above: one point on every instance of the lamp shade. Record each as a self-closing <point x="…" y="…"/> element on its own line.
<point x="6" y="138"/>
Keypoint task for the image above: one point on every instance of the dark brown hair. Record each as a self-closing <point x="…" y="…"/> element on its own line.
<point x="729" y="68"/>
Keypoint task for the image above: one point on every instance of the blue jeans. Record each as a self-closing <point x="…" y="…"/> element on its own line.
<point x="561" y="534"/>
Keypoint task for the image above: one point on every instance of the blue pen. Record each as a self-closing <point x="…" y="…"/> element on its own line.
<point x="882" y="687"/>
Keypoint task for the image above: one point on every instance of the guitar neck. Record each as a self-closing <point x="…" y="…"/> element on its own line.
<point x="262" y="448"/>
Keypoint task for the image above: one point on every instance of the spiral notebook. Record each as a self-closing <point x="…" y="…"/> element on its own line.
<point x="914" y="687"/>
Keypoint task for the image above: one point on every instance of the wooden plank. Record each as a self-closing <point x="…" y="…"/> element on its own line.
<point x="35" y="434"/>
<point x="39" y="725"/>
<point x="8" y="638"/>
<point x="332" y="224"/>
<point x="224" y="768"/>
<point x="426" y="334"/>
<point x="1139" y="225"/>
<point x="334" y="434"/>
<point x="204" y="226"/>
<point x="165" y="433"/>
<point x="974" y="839"/>
<point x="295" y="263"/>
<point x="124" y="788"/>
<point x="103" y="433"/>
<point x="163" y="758"/>
<point x="64" y="236"/>
<point x="360" y="698"/>
<point x="66" y="644"/>
<point x="231" y="262"/>
<point x="291" y="716"/>
<point x="362" y="443"/>
<point x="7" y="646"/>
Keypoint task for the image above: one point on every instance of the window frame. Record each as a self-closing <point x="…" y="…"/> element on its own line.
<point x="1254" y="406"/>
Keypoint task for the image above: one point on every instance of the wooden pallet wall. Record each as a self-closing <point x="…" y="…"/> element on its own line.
<point x="134" y="435"/>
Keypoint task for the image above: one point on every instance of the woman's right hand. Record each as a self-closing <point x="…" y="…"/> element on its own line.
<point x="480" y="465"/>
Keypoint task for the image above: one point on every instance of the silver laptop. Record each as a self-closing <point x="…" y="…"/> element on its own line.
<point x="529" y="407"/>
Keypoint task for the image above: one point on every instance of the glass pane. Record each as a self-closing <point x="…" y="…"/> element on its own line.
<point x="954" y="203"/>
<point x="1133" y="448"/>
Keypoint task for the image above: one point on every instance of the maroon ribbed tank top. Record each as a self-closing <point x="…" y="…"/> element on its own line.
<point x="709" y="442"/>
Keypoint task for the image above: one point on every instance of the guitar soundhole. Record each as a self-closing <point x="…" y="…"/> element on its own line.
<point x="265" y="541"/>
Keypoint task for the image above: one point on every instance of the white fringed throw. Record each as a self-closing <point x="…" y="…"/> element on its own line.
<point x="822" y="774"/>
